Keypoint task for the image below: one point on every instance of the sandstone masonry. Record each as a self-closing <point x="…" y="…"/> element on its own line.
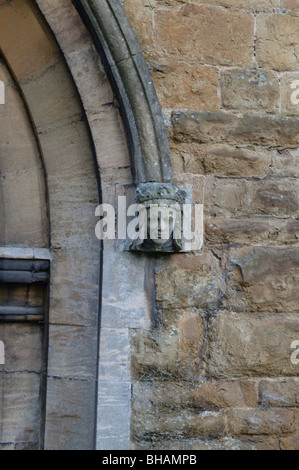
<point x="213" y="371"/>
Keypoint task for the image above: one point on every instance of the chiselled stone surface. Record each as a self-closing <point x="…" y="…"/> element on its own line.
<point x="289" y="443"/>
<point x="226" y="394"/>
<point x="157" y="419"/>
<point x="290" y="5"/>
<point x="250" y="89"/>
<point x="141" y="18"/>
<point x="221" y="159"/>
<point x="214" y="444"/>
<point x="26" y="56"/>
<point x="180" y="85"/>
<point x="262" y="422"/>
<point x="204" y="395"/>
<point x="232" y="197"/>
<point x="282" y="393"/>
<point x="190" y="281"/>
<point x="223" y="230"/>
<point x="206" y="33"/>
<point x="277" y="40"/>
<point x="244" y="4"/>
<point x="285" y="163"/>
<point x="217" y="126"/>
<point x="263" y="279"/>
<point x="247" y="345"/>
<point x="172" y="349"/>
<point x="75" y="430"/>
<point x="20" y="409"/>
<point x="247" y="151"/>
<point x="22" y="346"/>
<point x="23" y="218"/>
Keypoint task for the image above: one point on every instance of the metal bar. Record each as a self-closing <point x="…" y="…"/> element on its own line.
<point x="22" y="318"/>
<point x="11" y="252"/>
<point x="24" y="265"/>
<point x="21" y="310"/>
<point x="24" y="277"/>
<point x="21" y="314"/>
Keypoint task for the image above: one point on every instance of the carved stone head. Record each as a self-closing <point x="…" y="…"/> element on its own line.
<point x="163" y="203"/>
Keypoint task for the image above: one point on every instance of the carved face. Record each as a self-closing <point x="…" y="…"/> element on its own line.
<point x="161" y="220"/>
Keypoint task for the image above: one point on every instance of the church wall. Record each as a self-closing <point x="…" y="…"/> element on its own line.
<point x="214" y="370"/>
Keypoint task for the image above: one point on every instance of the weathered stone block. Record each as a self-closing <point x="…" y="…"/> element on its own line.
<point x="70" y="414"/>
<point x="24" y="201"/>
<point x="276" y="198"/>
<point x="140" y="14"/>
<point x="125" y="301"/>
<point x="277" y="41"/>
<point x="239" y="197"/>
<point x="90" y="76"/>
<point x="221" y="159"/>
<point x="227" y="230"/>
<point x="197" y="282"/>
<point x="66" y="24"/>
<point x="225" y="394"/>
<point x="285" y="163"/>
<point x="162" y="396"/>
<point x="72" y="351"/>
<point x="204" y="396"/>
<point x="257" y="443"/>
<point x="206" y="33"/>
<point x="111" y="152"/>
<point x="264" y="279"/>
<point x="20" y="407"/>
<point x="261" y="5"/>
<point x="290" y="443"/>
<point x="291" y="5"/>
<point x="26" y="56"/>
<point x="226" y="198"/>
<point x="75" y="203"/>
<point x="23" y="343"/>
<point x="172" y="349"/>
<point x="250" y="89"/>
<point x="225" y="443"/>
<point x="74" y="139"/>
<point x="261" y="422"/>
<point x="155" y="426"/>
<point x="245" y="345"/>
<point x="40" y="89"/>
<point x="22" y="152"/>
<point x="113" y="420"/>
<point x="282" y="393"/>
<point x="185" y="86"/>
<point x="115" y="355"/>
<point x="217" y="126"/>
<point x="75" y="302"/>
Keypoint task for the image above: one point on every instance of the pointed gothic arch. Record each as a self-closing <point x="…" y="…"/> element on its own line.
<point x="60" y="57"/>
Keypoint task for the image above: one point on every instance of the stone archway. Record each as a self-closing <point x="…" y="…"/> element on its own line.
<point x="60" y="135"/>
<point x="87" y="156"/>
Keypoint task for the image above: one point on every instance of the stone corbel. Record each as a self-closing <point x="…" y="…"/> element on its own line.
<point x="139" y="106"/>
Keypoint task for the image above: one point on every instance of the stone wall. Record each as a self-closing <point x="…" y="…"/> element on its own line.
<point x="214" y="370"/>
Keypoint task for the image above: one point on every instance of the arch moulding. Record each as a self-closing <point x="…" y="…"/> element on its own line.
<point x="97" y="42"/>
